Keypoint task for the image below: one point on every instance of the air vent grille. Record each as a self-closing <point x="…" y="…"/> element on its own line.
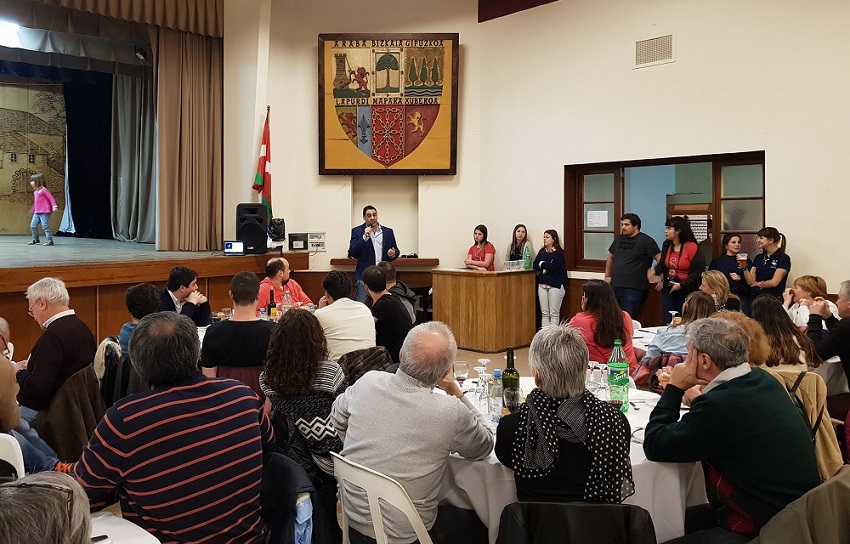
<point x="654" y="51"/>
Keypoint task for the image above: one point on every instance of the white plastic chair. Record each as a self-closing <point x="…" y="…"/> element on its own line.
<point x="377" y="486"/>
<point x="10" y="451"/>
<point x="636" y="325"/>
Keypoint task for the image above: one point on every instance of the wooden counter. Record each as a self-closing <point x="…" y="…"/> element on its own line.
<point x="400" y="262"/>
<point x="487" y="311"/>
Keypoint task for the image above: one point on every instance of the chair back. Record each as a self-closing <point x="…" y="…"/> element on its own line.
<point x="575" y="523"/>
<point x="72" y="415"/>
<point x="249" y="375"/>
<point x="358" y="362"/>
<point x="818" y="516"/>
<point x="807" y="391"/>
<point x="11" y="347"/>
<point x="10" y="451"/>
<point x="377" y="486"/>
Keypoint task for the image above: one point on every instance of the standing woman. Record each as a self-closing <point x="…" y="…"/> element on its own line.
<point x="519" y="244"/>
<point x="681" y="266"/>
<point x="771" y="267"/>
<point x="482" y="253"/>
<point x="728" y="264"/>
<point x="551" y="278"/>
<point x="43" y="205"/>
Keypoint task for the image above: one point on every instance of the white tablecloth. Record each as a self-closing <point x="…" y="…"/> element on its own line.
<point x="119" y="530"/>
<point x="664" y="489"/>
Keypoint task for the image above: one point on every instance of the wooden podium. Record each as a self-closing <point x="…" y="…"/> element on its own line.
<point x="486" y="311"/>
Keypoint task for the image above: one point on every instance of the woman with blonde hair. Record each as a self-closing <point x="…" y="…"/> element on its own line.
<point x="714" y="283"/>
<point x="759" y="346"/>
<point x="797" y="299"/>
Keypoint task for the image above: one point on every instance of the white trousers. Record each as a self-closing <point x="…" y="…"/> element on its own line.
<point x="550" y="304"/>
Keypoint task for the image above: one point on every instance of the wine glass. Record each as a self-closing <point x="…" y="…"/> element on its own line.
<point x="513" y="398"/>
<point x="673" y="314"/>
<point x="461" y="370"/>
<point x="483" y="392"/>
<point x="484" y="363"/>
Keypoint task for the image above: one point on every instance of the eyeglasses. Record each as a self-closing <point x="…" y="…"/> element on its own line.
<point x="67" y="491"/>
<point x="29" y="310"/>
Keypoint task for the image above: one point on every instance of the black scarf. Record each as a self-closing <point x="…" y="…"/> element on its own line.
<point x="599" y="426"/>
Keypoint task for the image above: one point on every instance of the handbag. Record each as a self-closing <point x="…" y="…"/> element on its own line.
<point x="645" y="374"/>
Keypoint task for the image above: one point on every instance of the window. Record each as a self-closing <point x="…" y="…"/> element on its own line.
<point x="31" y="159"/>
<point x="718" y="194"/>
<point x="13" y="157"/>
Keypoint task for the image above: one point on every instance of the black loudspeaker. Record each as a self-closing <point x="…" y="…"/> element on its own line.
<point x="252" y="223"/>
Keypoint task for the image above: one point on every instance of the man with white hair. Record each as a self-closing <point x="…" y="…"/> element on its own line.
<point x="65" y="347"/>
<point x="396" y="424"/>
<point x="755" y="446"/>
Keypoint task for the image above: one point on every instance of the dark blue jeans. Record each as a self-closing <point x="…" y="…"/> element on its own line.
<point x="630" y="300"/>
<point x="672" y="301"/>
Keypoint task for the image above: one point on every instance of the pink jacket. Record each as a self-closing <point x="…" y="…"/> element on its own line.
<point x="44" y="201"/>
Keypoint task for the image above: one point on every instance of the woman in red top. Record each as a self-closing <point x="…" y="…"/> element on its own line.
<point x="681" y="266"/>
<point x="482" y="254"/>
<point x="602" y="322"/>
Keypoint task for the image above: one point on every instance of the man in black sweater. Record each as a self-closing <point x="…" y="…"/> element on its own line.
<point x="756" y="450"/>
<point x="66" y="346"/>
<point x="392" y="323"/>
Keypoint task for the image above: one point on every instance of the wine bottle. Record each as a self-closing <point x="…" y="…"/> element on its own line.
<point x="271" y="307"/>
<point x="510" y="376"/>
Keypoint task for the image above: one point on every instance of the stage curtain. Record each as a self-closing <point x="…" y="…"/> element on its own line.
<point x="204" y="17"/>
<point x="133" y="191"/>
<point x="189" y="118"/>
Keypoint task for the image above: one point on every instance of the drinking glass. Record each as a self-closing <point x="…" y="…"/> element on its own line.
<point x="461" y="369"/>
<point x="484" y="363"/>
<point x="513" y="398"/>
<point x="602" y="390"/>
<point x="673" y="314"/>
<point x="483" y="392"/>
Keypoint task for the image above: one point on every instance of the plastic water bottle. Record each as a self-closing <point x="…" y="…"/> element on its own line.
<point x="618" y="377"/>
<point x="526" y="257"/>
<point x="263" y="315"/>
<point x="496" y="397"/>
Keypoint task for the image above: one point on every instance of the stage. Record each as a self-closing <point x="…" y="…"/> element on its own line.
<point x="98" y="273"/>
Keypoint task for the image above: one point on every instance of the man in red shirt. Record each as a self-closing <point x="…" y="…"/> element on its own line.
<point x="277" y="279"/>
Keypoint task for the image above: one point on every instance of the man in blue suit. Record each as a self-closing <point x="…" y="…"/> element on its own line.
<point x="370" y="244"/>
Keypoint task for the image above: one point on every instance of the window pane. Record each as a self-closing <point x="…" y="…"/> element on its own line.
<point x="599" y="217"/>
<point x="741" y="215"/>
<point x="596" y="245"/>
<point x="599" y="187"/>
<point x="743" y="180"/>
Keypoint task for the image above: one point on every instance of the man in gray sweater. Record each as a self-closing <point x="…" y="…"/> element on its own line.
<point x="396" y="424"/>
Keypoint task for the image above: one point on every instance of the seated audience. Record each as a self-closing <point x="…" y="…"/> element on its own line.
<point x="727" y="263"/>
<point x="236" y="348"/>
<point x="181" y="295"/>
<point x="551" y="278"/>
<point x="45" y="508"/>
<point x="602" y="321"/>
<point x="65" y="347"/>
<point x="836" y="343"/>
<point x="277" y="279"/>
<point x="564" y="444"/>
<point x="398" y="289"/>
<point x="798" y="298"/>
<point x="9" y="414"/>
<point x="674" y="339"/>
<point x="395" y="424"/>
<point x="184" y="459"/>
<point x="300" y="383"/>
<point x="714" y="283"/>
<point x="736" y="429"/>
<point x="348" y="325"/>
<point x="141" y="300"/>
<point x="391" y="320"/>
<point x="482" y="254"/>
<point x="789" y="348"/>
<point x="759" y="348"/>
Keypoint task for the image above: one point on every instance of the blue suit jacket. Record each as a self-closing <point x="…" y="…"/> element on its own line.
<point x="364" y="251"/>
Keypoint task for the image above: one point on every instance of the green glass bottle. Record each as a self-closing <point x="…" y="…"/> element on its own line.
<point x="510" y="376"/>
